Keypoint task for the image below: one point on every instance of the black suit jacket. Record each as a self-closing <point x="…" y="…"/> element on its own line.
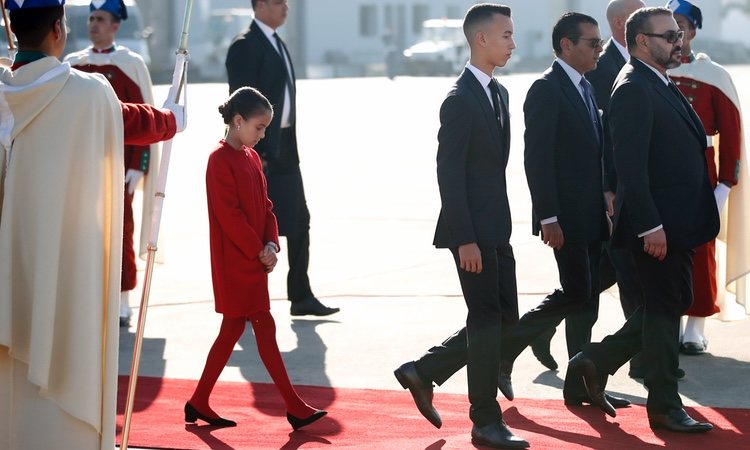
<point x="659" y="144"/>
<point x="472" y="156"/>
<point x="562" y="157"/>
<point x="253" y="61"/>
<point x="602" y="79"/>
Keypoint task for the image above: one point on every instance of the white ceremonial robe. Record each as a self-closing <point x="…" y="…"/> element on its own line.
<point x="61" y="144"/>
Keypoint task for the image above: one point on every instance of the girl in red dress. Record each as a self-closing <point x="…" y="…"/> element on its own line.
<point x="244" y="242"/>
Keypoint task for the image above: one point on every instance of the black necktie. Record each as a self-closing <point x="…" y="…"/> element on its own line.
<point x="289" y="80"/>
<point x="677" y="93"/>
<point x="495" y="91"/>
<point x="588" y="100"/>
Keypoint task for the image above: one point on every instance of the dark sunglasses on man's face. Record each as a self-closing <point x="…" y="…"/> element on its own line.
<point x="670" y="36"/>
<point x="594" y="42"/>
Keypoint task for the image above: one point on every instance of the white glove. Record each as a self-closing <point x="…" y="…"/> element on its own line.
<point x="180" y="114"/>
<point x="721" y="193"/>
<point x="132" y="177"/>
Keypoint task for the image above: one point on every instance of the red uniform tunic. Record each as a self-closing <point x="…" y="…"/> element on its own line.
<point x="720" y="117"/>
<point x="136" y="157"/>
<point x="241" y="223"/>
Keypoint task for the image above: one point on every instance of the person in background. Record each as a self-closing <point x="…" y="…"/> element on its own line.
<point x="260" y="59"/>
<point x="127" y="73"/>
<point x="61" y="184"/>
<point x="244" y="242"/>
<point x="710" y="91"/>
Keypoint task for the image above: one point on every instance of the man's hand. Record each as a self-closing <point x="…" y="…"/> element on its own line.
<point x="552" y="235"/>
<point x="609" y="197"/>
<point x="267" y="257"/>
<point x="655" y="244"/>
<point x="179" y="112"/>
<point x="470" y="258"/>
<point x="132" y="177"/>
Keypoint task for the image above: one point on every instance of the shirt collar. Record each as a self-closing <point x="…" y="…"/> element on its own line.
<point x="661" y="76"/>
<point x="573" y="74"/>
<point x="268" y="31"/>
<point x="622" y="49"/>
<point x="483" y="78"/>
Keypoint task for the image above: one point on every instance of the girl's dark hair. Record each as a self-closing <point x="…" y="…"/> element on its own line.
<point x="247" y="102"/>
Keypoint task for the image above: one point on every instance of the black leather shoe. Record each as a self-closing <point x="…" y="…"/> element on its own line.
<point x="616" y="402"/>
<point x="503" y="379"/>
<point x="421" y="392"/>
<point x="298" y="423"/>
<point x="192" y="414"/>
<point x="594" y="382"/>
<point x="540" y="347"/>
<point x="694" y="348"/>
<point x="678" y="420"/>
<point x="125" y="322"/>
<point x="311" y="306"/>
<point x="496" y="435"/>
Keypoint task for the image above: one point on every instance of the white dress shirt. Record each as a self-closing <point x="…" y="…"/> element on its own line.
<point x="286" y="110"/>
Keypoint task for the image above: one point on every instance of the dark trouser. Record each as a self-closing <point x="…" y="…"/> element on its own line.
<point x="654" y="328"/>
<point x="492" y="302"/>
<point x="578" y="302"/>
<point x="286" y="191"/>
<point x="297" y="281"/>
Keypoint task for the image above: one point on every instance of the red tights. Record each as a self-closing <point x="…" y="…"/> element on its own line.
<point x="265" y="335"/>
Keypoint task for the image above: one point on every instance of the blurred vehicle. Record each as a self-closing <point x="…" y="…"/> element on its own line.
<point x="4" y="38"/>
<point x="207" y="54"/>
<point x="132" y="33"/>
<point x="441" y="50"/>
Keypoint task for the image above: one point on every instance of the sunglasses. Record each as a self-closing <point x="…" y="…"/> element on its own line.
<point x="670" y="36"/>
<point x="594" y="42"/>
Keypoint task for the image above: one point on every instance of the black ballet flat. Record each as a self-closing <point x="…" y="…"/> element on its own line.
<point x="298" y="423"/>
<point x="192" y="414"/>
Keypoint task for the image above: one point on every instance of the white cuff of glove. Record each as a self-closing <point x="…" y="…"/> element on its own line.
<point x="721" y="193"/>
<point x="179" y="112"/>
<point x="132" y="177"/>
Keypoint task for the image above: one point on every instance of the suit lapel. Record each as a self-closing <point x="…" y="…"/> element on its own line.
<point x="683" y="108"/>
<point x="481" y="97"/>
<point x="575" y="98"/>
<point x="269" y="47"/>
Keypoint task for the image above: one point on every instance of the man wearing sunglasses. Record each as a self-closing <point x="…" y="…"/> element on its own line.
<point x="664" y="208"/>
<point x="709" y="89"/>
<point x="562" y="157"/>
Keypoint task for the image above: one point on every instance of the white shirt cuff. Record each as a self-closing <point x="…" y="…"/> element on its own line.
<point x="652" y="230"/>
<point x="549" y="220"/>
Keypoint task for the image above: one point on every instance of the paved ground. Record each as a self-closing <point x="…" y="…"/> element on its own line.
<point x="368" y="159"/>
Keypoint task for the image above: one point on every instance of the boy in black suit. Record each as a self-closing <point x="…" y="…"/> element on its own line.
<point x="475" y="224"/>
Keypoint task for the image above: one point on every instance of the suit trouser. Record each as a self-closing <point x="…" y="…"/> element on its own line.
<point x="492" y="302"/>
<point x="617" y="265"/>
<point x="297" y="281"/>
<point x="577" y="302"/>
<point x="654" y="328"/>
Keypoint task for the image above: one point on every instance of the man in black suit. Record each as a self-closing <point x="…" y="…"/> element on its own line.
<point x="563" y="144"/>
<point x="616" y="265"/>
<point x="664" y="208"/>
<point x="475" y="224"/>
<point x="259" y="58"/>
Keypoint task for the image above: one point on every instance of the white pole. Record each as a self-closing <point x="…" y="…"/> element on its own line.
<point x="179" y="82"/>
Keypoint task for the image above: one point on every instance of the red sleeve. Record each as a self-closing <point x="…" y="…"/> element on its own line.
<point x="271" y="232"/>
<point x="145" y="124"/>
<point x="730" y="135"/>
<point x="222" y="198"/>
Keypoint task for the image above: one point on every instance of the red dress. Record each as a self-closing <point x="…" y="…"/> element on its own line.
<point x="241" y="223"/>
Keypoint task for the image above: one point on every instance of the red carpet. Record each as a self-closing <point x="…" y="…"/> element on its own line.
<point x="370" y="419"/>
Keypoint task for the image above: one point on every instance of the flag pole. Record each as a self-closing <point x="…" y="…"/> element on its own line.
<point x="11" y="46"/>
<point x="179" y="81"/>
